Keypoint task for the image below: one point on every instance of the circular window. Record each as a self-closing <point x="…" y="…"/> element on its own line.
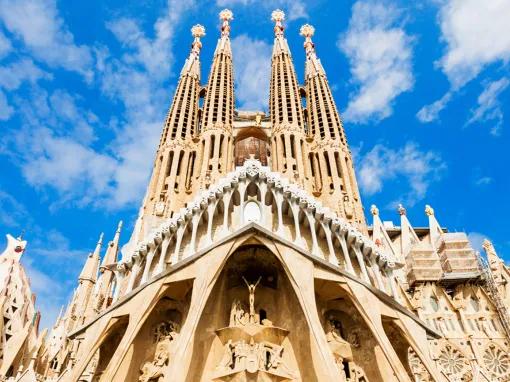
<point x="252" y="212"/>
<point x="496" y="360"/>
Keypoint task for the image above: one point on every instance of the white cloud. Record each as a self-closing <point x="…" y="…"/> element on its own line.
<point x="62" y="153"/>
<point x="6" y="111"/>
<point x="476" y="35"/>
<point x="68" y="166"/>
<point x="24" y="70"/>
<point x="294" y="9"/>
<point x="429" y="113"/>
<point x="44" y="32"/>
<point x="489" y="107"/>
<point x="380" y="54"/>
<point x="12" y="213"/>
<point x="252" y="60"/>
<point x="5" y="45"/>
<point x="484" y="180"/>
<point x="409" y="164"/>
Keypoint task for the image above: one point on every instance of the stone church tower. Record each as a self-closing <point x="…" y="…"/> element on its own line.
<point x="252" y="259"/>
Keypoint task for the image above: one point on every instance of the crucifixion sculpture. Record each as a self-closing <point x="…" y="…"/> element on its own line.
<point x="251" y="291"/>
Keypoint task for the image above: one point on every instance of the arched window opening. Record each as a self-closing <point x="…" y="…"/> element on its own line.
<point x="251" y="147"/>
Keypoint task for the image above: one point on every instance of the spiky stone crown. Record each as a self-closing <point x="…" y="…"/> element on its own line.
<point x="198" y="30"/>
<point x="307" y="30"/>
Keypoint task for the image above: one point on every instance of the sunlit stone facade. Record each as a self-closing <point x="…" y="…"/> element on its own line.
<point x="252" y="259"/>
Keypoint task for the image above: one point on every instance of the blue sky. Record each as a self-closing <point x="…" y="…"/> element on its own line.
<point x="423" y="88"/>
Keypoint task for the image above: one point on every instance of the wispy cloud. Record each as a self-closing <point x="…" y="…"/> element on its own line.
<point x="6" y="110"/>
<point x="380" y="55"/>
<point x="252" y="60"/>
<point x="429" y="113"/>
<point x="38" y="24"/>
<point x="489" y="107"/>
<point x="5" y="45"/>
<point x="56" y="145"/>
<point x="476" y="35"/>
<point x="13" y="75"/>
<point x="409" y="165"/>
<point x="484" y="180"/>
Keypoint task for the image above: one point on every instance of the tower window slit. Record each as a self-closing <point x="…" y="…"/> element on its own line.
<point x="312" y="168"/>
<point x="178" y="172"/>
<point x="169" y="164"/>
<point x="328" y="166"/>
<point x="211" y="149"/>
<point x="338" y="163"/>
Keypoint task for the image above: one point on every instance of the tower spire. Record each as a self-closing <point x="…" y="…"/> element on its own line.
<point x="288" y="130"/>
<point x="192" y="64"/>
<point x="218" y="113"/>
<point x="313" y="64"/>
<point x="173" y="170"/>
<point x="104" y="287"/>
<point x="331" y="161"/>
<point x="280" y="42"/>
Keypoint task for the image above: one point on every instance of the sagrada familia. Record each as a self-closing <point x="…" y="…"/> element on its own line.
<point x="252" y="260"/>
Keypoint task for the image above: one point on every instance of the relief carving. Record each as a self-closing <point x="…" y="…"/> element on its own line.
<point x="164" y="334"/>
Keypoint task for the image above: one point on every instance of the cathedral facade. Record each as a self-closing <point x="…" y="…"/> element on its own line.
<point x="252" y="260"/>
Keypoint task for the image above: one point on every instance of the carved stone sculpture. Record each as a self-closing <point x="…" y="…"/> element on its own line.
<point x="163" y="334"/>
<point x="251" y="291"/>
<point x="154" y="370"/>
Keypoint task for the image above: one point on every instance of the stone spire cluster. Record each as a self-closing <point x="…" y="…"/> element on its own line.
<point x="202" y="139"/>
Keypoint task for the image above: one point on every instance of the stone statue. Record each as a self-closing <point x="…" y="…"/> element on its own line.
<point x="164" y="333"/>
<point x="228" y="359"/>
<point x="251" y="290"/>
<point x="166" y="329"/>
<point x="238" y="316"/>
<point x="241" y="351"/>
<point x="339" y="346"/>
<point x="154" y="370"/>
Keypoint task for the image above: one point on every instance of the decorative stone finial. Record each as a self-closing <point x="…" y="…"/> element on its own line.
<point x="198" y="31"/>
<point x="226" y="15"/>
<point x="374" y="210"/>
<point x="307" y="31"/>
<point x="429" y="211"/>
<point x="278" y="16"/>
<point x="401" y="210"/>
<point x="119" y="227"/>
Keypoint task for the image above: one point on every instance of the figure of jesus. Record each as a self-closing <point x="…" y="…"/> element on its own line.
<point x="251" y="290"/>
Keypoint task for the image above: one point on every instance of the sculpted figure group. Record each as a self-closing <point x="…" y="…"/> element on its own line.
<point x="164" y="334"/>
<point x="251" y="356"/>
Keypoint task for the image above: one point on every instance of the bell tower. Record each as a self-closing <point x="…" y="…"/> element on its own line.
<point x="288" y="128"/>
<point x="330" y="160"/>
<point x="216" y="146"/>
<point x="173" y="175"/>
